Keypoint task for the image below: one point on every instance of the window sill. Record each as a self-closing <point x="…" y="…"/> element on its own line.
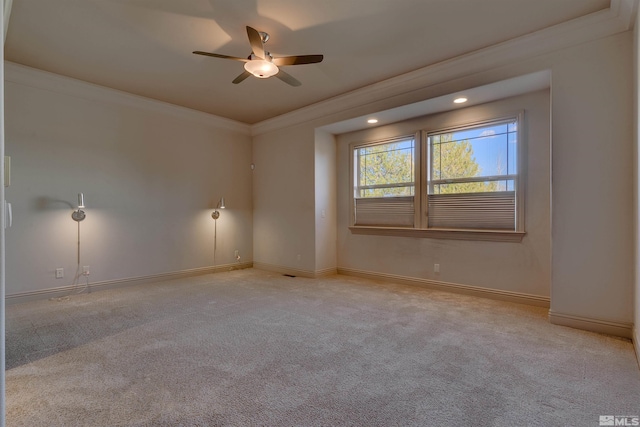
<point x="451" y="234"/>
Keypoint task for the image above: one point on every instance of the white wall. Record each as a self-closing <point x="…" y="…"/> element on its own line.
<point x="592" y="172"/>
<point x="516" y="267"/>
<point x="4" y="17"/>
<point x="325" y="203"/>
<point x="284" y="201"/>
<point x="636" y="199"/>
<point x="150" y="179"/>
<point x="592" y="243"/>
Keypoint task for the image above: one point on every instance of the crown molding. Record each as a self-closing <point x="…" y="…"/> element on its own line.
<point x="625" y="11"/>
<point x="32" y="77"/>
<point x="618" y="18"/>
<point x="7" y="14"/>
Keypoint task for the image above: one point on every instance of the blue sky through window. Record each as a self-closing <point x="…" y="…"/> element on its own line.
<point x="494" y="147"/>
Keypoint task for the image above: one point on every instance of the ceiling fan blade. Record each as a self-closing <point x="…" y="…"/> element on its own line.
<point x="297" y="60"/>
<point x="288" y="78"/>
<point x="217" y="55"/>
<point x="241" y="77"/>
<point x="256" y="42"/>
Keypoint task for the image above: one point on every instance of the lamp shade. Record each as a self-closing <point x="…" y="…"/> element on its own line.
<point x="221" y="203"/>
<point x="80" y="201"/>
<point x="261" y="68"/>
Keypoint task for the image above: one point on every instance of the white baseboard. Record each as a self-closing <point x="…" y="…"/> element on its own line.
<point x="326" y="272"/>
<point x="619" y="329"/>
<point x="496" y="294"/>
<point x="294" y="271"/>
<point x="636" y="343"/>
<point x="110" y="284"/>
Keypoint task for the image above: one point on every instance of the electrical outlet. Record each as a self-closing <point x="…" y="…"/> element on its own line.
<point x="299" y="257"/>
<point x="436" y="268"/>
<point x="236" y="253"/>
<point x="85" y="270"/>
<point x="59" y="273"/>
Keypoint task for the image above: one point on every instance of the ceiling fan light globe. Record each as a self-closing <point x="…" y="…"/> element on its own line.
<point x="261" y="68"/>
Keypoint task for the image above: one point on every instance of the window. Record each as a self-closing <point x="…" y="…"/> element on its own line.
<point x="465" y="183"/>
<point x="385" y="183"/>
<point x="472" y="176"/>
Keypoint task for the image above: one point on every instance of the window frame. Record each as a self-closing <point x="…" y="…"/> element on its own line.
<point x="353" y="185"/>
<point x="413" y="137"/>
<point x="421" y="172"/>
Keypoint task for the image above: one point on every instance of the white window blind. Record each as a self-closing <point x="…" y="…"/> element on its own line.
<point x="385" y="211"/>
<point x="489" y="211"/>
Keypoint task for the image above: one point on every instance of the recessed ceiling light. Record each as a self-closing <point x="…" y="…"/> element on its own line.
<point x="460" y="100"/>
<point x="372" y="121"/>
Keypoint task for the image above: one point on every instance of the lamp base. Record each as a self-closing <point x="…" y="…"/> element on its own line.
<point x="215" y="214"/>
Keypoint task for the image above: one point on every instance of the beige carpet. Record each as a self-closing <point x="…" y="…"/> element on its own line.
<point x="252" y="348"/>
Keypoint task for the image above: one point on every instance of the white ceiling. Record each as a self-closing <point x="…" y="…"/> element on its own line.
<point x="144" y="46"/>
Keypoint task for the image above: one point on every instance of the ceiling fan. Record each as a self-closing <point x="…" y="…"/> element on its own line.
<point x="262" y="64"/>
